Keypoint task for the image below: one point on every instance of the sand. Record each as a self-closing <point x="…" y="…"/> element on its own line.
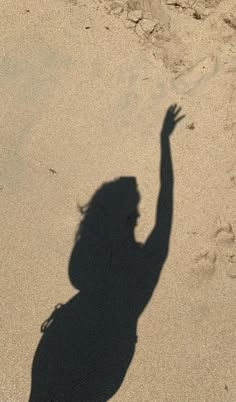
<point x="85" y="86"/>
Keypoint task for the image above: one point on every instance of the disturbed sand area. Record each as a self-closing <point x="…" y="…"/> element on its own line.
<point x="84" y="90"/>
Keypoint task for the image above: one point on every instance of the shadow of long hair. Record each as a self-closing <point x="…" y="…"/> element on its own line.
<point x="89" y="342"/>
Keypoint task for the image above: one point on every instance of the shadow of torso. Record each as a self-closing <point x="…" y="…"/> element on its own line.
<point x="88" y="345"/>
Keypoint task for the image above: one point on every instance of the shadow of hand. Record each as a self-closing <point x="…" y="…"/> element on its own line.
<point x="171" y="119"/>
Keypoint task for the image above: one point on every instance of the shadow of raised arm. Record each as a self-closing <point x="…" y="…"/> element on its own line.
<point x="157" y="244"/>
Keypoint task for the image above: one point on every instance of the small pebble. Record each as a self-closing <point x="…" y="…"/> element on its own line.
<point x="191" y="126"/>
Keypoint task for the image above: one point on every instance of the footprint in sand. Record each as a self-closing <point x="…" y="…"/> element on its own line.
<point x="224" y="238"/>
<point x="204" y="265"/>
<point x="230" y="260"/>
<point x="223" y="233"/>
<point x="196" y="75"/>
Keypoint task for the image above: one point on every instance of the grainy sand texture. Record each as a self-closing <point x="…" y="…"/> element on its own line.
<point x="85" y="86"/>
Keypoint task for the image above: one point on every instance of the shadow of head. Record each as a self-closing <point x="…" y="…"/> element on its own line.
<point x="108" y="218"/>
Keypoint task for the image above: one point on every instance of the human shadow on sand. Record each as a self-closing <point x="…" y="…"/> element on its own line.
<point x="89" y="342"/>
